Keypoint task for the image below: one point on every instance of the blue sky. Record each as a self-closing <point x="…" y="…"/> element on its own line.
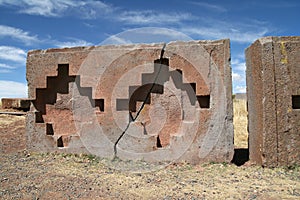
<point x="37" y="24"/>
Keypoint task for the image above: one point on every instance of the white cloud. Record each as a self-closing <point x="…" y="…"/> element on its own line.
<point x="12" y="89"/>
<point x="148" y="17"/>
<point x="238" y="65"/>
<point x="89" y="25"/>
<point x="237" y="77"/>
<point x="5" y="68"/>
<point x="58" y="8"/>
<point x="12" y="54"/>
<point x="209" y="6"/>
<point x="115" y="39"/>
<point x="74" y="43"/>
<point x="275" y="4"/>
<point x="146" y="35"/>
<point x="93" y="9"/>
<point x="244" y="31"/>
<point x="239" y="56"/>
<point x="18" y="34"/>
<point x="46" y="7"/>
<point x="220" y="32"/>
<point x="240" y="89"/>
<point x="165" y="32"/>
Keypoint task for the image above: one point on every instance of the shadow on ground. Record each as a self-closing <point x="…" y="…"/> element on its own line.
<point x="241" y="156"/>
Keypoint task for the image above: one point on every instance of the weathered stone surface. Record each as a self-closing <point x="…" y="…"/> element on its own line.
<point x="273" y="91"/>
<point x="15" y="103"/>
<point x="130" y="102"/>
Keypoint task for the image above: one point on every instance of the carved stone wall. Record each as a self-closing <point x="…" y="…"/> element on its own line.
<point x="273" y="93"/>
<point x="139" y="102"/>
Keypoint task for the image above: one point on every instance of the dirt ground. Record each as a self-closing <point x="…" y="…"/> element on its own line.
<point x="27" y="175"/>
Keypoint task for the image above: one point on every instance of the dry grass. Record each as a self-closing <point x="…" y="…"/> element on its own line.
<point x="65" y="176"/>
<point x="240" y="123"/>
<point x="12" y="133"/>
<point x="6" y="120"/>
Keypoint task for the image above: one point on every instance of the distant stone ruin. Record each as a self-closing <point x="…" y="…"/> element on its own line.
<point x="15" y="103"/>
<point x="135" y="102"/>
<point x="273" y="92"/>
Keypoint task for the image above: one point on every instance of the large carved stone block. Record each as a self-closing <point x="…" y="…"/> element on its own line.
<point x="273" y="92"/>
<point x="136" y="102"/>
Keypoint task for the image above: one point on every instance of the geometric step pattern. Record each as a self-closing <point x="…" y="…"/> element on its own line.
<point x="156" y="80"/>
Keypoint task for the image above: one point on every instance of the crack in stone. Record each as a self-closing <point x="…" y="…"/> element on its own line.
<point x="276" y="101"/>
<point x="143" y="105"/>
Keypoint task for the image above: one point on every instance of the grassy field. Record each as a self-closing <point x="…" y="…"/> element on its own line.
<point x="240" y="123"/>
<point x="60" y="176"/>
<point x="26" y="175"/>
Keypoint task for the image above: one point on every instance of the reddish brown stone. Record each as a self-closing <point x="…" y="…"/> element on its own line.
<point x="128" y="102"/>
<point x="273" y="86"/>
<point x="15" y="103"/>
